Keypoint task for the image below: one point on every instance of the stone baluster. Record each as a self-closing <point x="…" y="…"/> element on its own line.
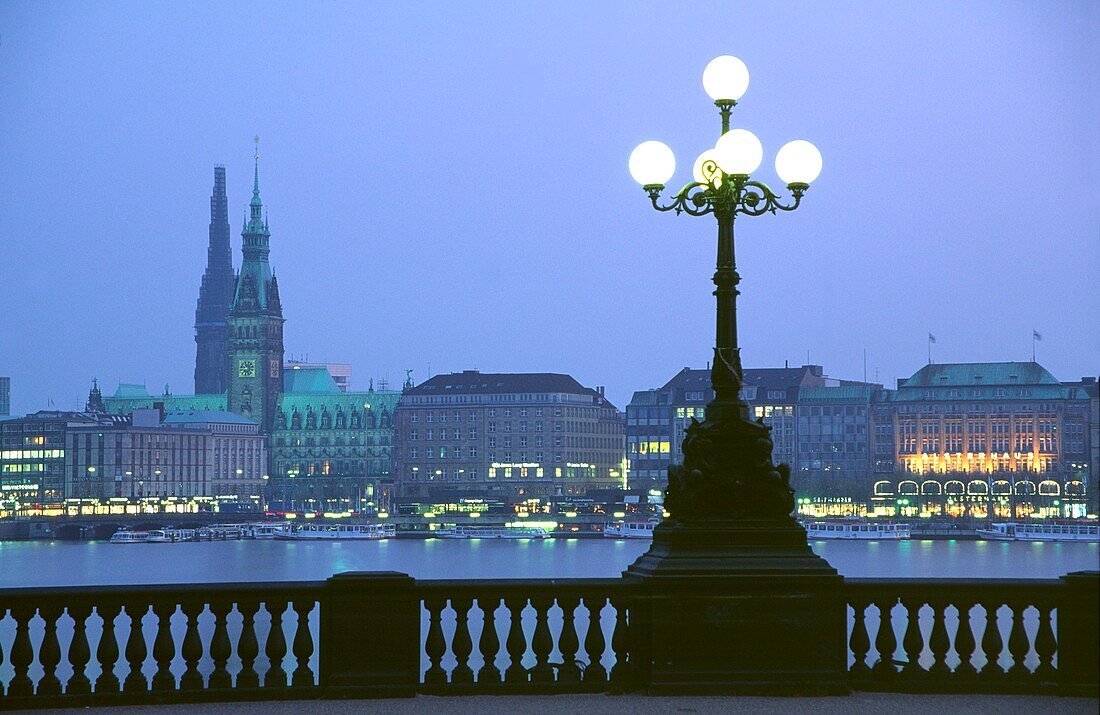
<point x="220" y="647"/>
<point x="938" y="641"/>
<point x="303" y="645"/>
<point x="489" y="643"/>
<point x="1018" y="644"/>
<point x="164" y="647"/>
<point x="859" y="642"/>
<point x="516" y="643"/>
<point x="462" y="645"/>
<point x="965" y="645"/>
<point x="49" y="653"/>
<point x="247" y="646"/>
<point x="1046" y="644"/>
<point x="79" y="650"/>
<point x="886" y="642"/>
<point x="435" y="646"/>
<point x="912" y="642"/>
<point x="992" y="644"/>
<point x="22" y="654"/>
<point x="106" y="653"/>
<point x="136" y="650"/>
<point x="594" y="643"/>
<point x="275" y="647"/>
<point x="620" y="644"/>
<point x="568" y="643"/>
<point x="191" y="649"/>
<point x="542" y="641"/>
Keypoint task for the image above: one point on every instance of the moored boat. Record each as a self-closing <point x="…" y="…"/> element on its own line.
<point x="334" y="532"/>
<point x="631" y="529"/>
<point x="865" y="531"/>
<point x="1010" y="531"/>
<point x="127" y="536"/>
<point x="491" y="532"/>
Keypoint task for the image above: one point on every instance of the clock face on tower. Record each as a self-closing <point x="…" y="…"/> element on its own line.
<point x="246" y="368"/>
<point x="273" y="367"/>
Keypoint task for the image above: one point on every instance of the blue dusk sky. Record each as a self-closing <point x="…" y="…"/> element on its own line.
<point x="447" y="185"/>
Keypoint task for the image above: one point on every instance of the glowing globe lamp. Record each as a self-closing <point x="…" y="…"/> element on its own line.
<point x="726" y="78"/>
<point x="738" y="151"/>
<point x="798" y="162"/>
<point x="652" y="163"/>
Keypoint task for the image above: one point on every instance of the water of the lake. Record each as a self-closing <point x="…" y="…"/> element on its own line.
<point x="57" y="563"/>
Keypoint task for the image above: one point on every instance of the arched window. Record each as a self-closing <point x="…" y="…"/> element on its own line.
<point x="954" y="487"/>
<point x="296" y="420"/>
<point x="1075" y="488"/>
<point x="341" y="421"/>
<point x="1049" y="488"/>
<point x="1002" y="488"/>
<point x="931" y="487"/>
<point x="355" y="419"/>
<point x="908" y="488"/>
<point x="977" y="487"/>
<point x="311" y="420"/>
<point x="1025" y="487"/>
<point x="883" y="488"/>
<point x="326" y="420"/>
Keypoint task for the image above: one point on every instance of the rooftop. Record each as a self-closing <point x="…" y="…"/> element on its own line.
<point x="980" y="373"/>
<point x="208" y="416"/>
<point x="472" y="382"/>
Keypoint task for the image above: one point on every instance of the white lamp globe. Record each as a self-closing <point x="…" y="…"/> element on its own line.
<point x="652" y="163"/>
<point x="798" y="162"/>
<point x="726" y="77"/>
<point x="738" y="151"/>
<point x="697" y="170"/>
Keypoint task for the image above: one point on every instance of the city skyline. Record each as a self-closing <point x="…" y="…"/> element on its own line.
<point x="389" y="281"/>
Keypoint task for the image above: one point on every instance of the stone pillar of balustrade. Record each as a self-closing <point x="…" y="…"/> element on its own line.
<point x="1079" y="634"/>
<point x="370" y="635"/>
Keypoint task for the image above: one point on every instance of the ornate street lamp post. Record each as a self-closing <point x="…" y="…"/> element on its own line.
<point x="733" y="597"/>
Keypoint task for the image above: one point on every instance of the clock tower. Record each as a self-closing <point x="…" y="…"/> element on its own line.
<point x="255" y="323"/>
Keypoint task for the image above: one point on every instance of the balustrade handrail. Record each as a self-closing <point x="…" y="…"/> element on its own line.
<point x="7" y="595"/>
<point x="387" y="633"/>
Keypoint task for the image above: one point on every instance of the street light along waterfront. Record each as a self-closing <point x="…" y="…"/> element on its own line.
<point x="730" y="544"/>
<point x="727" y="472"/>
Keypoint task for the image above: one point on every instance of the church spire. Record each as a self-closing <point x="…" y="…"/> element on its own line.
<point x="256" y="207"/>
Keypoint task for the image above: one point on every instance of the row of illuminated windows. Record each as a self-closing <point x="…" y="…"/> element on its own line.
<point x="17" y="468"/>
<point x="684" y="413"/>
<point x="774" y="410"/>
<point x="32" y="453"/>
<point x="650" y="447"/>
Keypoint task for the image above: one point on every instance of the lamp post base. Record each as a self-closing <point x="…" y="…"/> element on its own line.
<point x="737" y="607"/>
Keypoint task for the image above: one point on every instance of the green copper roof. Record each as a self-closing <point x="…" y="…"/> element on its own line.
<point x="308" y="379"/>
<point x="980" y="373"/>
<point x="130" y="390"/>
<point x="215" y="417"/>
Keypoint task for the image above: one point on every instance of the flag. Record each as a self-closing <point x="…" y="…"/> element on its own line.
<point x="931" y="338"/>
<point x="1035" y="335"/>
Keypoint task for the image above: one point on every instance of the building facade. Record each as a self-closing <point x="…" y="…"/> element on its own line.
<point x="963" y="439"/>
<point x="215" y="295"/>
<point x="656" y="419"/>
<point x="5" y="396"/>
<point x="331" y="450"/>
<point x="50" y="459"/>
<point x="255" y="325"/>
<point x="525" y="439"/>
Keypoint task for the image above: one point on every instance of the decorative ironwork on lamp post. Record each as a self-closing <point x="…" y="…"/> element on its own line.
<point x="727" y="471"/>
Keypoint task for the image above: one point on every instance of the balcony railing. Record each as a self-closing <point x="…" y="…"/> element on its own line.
<point x="385" y="634"/>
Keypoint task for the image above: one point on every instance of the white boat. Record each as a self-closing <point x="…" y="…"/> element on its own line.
<point x="491" y="532"/>
<point x="170" y="536"/>
<point x="867" y="531"/>
<point x="335" y="532"/>
<point x="220" y="532"/>
<point x="631" y="529"/>
<point x="126" y="536"/>
<point x="264" y="530"/>
<point x="1009" y="531"/>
